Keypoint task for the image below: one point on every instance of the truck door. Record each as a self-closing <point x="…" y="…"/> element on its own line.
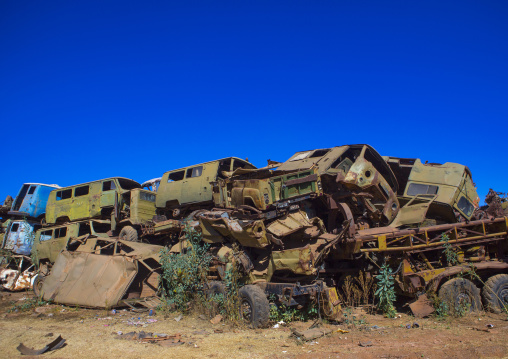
<point x="80" y="204"/>
<point x="19" y="238"/>
<point x="11" y="238"/>
<point x="192" y="187"/>
<point x="43" y="244"/>
<point x="20" y="197"/>
<point x="28" y="204"/>
<point x="173" y="189"/>
<point x="58" y="243"/>
<point x="108" y="194"/>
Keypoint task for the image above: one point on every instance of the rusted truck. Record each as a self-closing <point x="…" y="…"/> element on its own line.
<point x="433" y="193"/>
<point x="31" y="200"/>
<point x="16" y="268"/>
<point x="120" y="201"/>
<point x="300" y="230"/>
<point x="48" y="242"/>
<point x="187" y="189"/>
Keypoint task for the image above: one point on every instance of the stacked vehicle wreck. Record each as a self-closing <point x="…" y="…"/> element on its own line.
<point x="295" y="230"/>
<point x="329" y="213"/>
<point x="92" y="234"/>
<point x="21" y="218"/>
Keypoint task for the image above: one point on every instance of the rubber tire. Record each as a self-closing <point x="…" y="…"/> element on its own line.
<point x="496" y="286"/>
<point x="254" y="298"/>
<point x="457" y="288"/>
<point x="216" y="287"/>
<point x="37" y="286"/>
<point x="129" y="233"/>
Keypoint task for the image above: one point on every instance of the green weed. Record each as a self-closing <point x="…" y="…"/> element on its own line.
<point x="385" y="292"/>
<point x="28" y="304"/>
<point x="184" y="274"/>
<point x="450" y="254"/>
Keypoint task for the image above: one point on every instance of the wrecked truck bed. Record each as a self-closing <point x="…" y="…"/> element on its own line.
<point x="95" y="279"/>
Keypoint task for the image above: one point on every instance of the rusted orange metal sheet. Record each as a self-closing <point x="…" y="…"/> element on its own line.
<point x="89" y="280"/>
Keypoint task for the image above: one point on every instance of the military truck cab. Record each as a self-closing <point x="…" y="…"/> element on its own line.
<point x="19" y="236"/>
<point x="447" y="188"/>
<point x="356" y="180"/>
<point x="31" y="200"/>
<point x="49" y="242"/>
<point x="186" y="189"/>
<point x="120" y="200"/>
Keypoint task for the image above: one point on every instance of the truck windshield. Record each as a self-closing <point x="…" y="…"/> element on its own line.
<point x="465" y="206"/>
<point x="128" y="184"/>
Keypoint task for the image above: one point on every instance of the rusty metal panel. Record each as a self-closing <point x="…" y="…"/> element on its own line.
<point x="14" y="280"/>
<point x="89" y="280"/>
<point x="291" y="223"/>
<point x="331" y="303"/>
<point x="297" y="260"/>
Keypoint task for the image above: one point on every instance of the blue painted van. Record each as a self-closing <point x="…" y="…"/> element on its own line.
<point x="19" y="236"/>
<point x="31" y="200"/>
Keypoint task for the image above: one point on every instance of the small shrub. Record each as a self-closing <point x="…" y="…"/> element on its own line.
<point x="450" y="254"/>
<point x="184" y="274"/>
<point x="227" y="304"/>
<point x="385" y="292"/>
<point x="441" y="308"/>
<point x="280" y="311"/>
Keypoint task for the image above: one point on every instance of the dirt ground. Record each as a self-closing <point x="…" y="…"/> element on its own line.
<point x="94" y="334"/>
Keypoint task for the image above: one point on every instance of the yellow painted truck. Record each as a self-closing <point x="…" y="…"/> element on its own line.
<point x="119" y="200"/>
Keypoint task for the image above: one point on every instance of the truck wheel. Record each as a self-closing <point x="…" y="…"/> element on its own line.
<point x="254" y="306"/>
<point x="216" y="287"/>
<point x="495" y="293"/>
<point x="216" y="295"/>
<point x="459" y="294"/>
<point x="37" y="285"/>
<point x="128" y="233"/>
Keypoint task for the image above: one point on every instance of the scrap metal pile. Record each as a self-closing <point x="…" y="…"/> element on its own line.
<point x="294" y="229"/>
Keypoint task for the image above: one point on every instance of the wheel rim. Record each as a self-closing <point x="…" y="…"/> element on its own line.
<point x="246" y="310"/>
<point x="464" y="301"/>
<point x="503" y="295"/>
<point x="38" y="286"/>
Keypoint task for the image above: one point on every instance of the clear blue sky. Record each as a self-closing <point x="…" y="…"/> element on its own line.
<point x="93" y="89"/>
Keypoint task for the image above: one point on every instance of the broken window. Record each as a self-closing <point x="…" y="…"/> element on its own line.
<point x="342" y="164"/>
<point x="81" y="191"/>
<point x="176" y="176"/>
<point x="46" y="235"/>
<point x="417" y="188"/>
<point x="147" y="196"/>
<point x="300" y="156"/>
<point x="32" y="189"/>
<point x="84" y="228"/>
<point x="14" y="227"/>
<point x="60" y="232"/>
<point x="108" y="185"/>
<point x="126" y="183"/>
<point x="65" y="194"/>
<point x="20" y="197"/>
<point x="101" y="227"/>
<point x="194" y="172"/>
<point x="320" y="153"/>
<point x="224" y="166"/>
<point x="465" y="206"/>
